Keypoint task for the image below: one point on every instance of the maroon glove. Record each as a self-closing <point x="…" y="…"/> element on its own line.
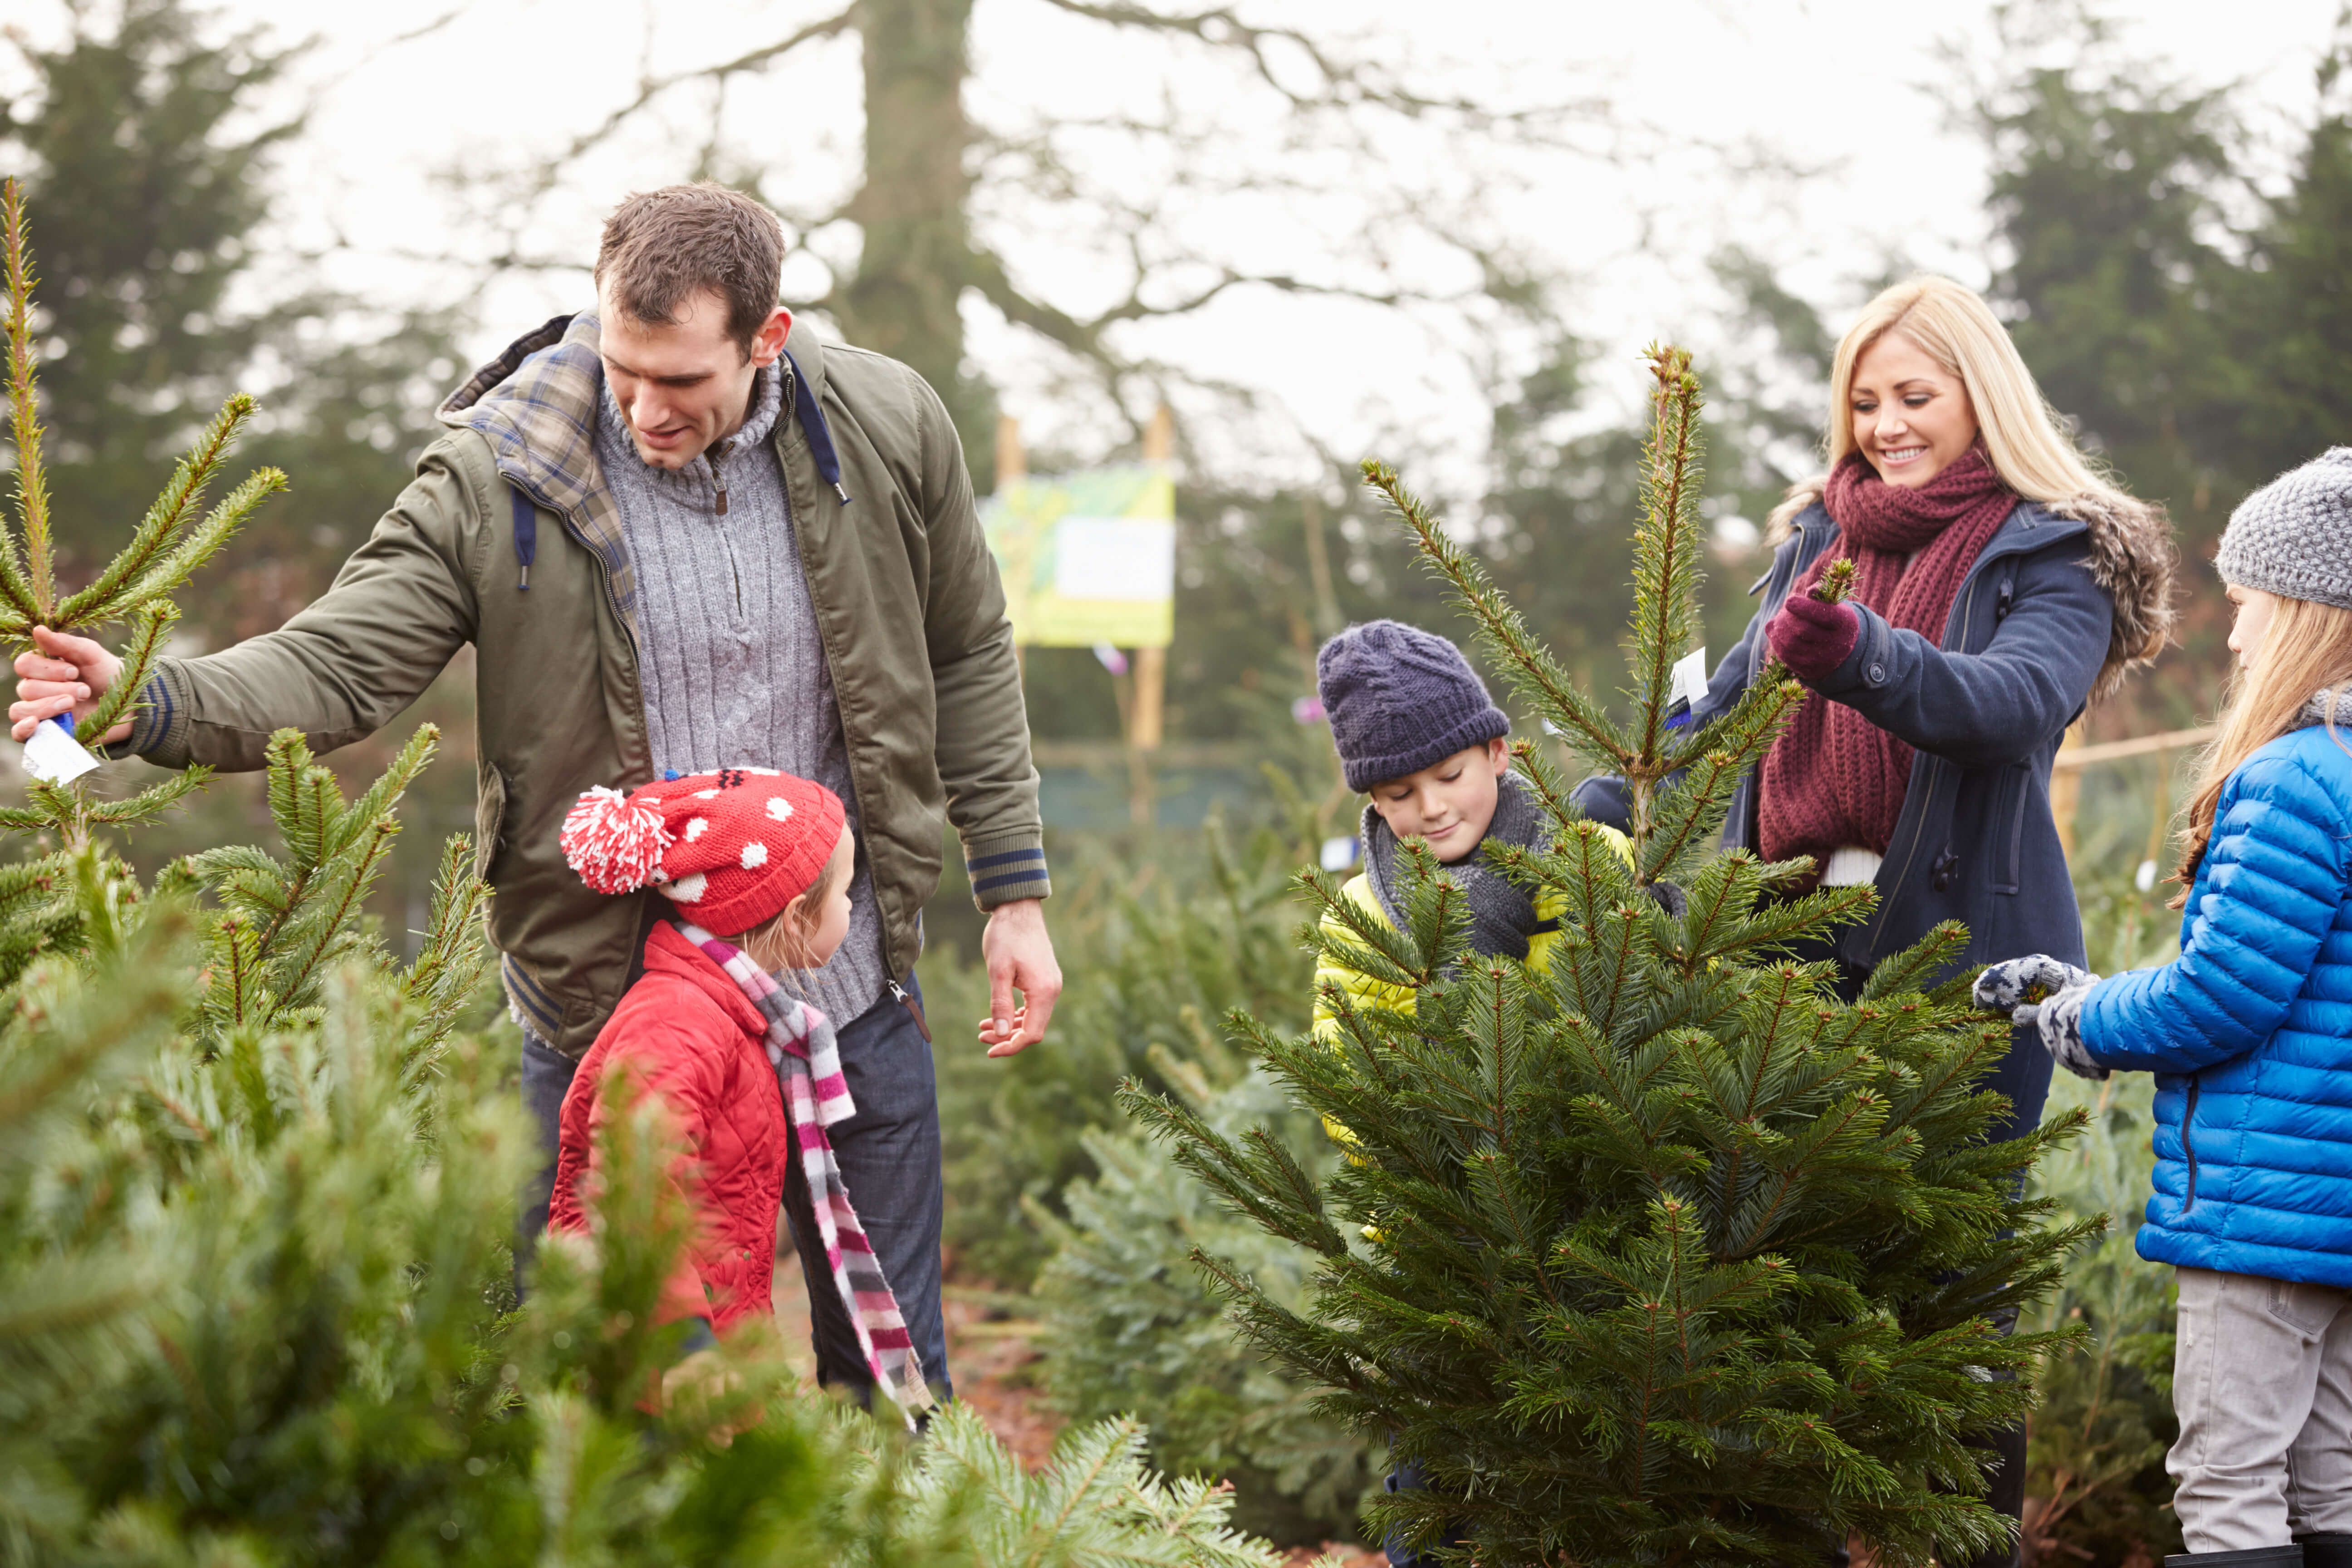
<point x="1811" y="638"/>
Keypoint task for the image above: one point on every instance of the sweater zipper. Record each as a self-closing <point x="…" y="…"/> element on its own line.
<point x="914" y="1009"/>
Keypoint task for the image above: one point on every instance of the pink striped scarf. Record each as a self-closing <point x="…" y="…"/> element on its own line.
<point x="808" y="1063"/>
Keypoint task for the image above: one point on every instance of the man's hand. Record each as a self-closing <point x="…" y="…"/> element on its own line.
<point x="1019" y="956"/>
<point x="63" y="673"/>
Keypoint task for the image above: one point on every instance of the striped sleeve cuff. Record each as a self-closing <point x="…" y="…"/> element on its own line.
<point x="154" y="720"/>
<point x="1007" y="868"/>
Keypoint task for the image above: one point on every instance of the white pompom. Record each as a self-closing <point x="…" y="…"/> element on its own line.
<point x="615" y="845"/>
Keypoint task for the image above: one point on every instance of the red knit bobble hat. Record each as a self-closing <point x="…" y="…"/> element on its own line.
<point x="730" y="849"/>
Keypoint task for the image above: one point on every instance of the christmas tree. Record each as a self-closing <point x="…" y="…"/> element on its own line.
<point x="1667" y="1255"/>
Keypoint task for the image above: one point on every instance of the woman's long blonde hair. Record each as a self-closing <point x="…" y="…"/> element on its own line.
<point x="2307" y="650"/>
<point x="2030" y="446"/>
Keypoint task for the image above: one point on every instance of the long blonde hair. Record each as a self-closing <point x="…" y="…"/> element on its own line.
<point x="2030" y="446"/>
<point x="2307" y="650"/>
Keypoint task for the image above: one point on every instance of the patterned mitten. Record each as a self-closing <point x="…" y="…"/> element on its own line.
<point x="2007" y="986"/>
<point x="2060" y="1021"/>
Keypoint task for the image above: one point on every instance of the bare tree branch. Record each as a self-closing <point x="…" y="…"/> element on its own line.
<point x="650" y="88"/>
<point x="1344" y="82"/>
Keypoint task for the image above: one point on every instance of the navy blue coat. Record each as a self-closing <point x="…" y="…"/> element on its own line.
<point x="2029" y="633"/>
<point x="2250" y="1030"/>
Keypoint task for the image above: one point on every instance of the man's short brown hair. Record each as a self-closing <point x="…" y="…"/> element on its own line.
<point x="663" y="247"/>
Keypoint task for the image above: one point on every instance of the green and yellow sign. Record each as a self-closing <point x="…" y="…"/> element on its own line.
<point x="1088" y="558"/>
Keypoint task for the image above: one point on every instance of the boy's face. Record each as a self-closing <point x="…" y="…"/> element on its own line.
<point x="1450" y="805"/>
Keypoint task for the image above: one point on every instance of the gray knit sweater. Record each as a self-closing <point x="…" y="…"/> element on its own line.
<point x="734" y="673"/>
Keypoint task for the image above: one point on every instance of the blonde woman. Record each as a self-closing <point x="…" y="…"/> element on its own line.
<point x="2002" y="584"/>
<point x="2250" y="1035"/>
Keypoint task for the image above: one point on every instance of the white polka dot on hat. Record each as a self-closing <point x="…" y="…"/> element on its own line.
<point x="731" y="848"/>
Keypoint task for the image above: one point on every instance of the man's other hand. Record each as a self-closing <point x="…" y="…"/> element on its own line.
<point x="1019" y="956"/>
<point x="63" y="673"/>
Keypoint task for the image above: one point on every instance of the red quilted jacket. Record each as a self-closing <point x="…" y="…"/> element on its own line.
<point x="688" y="1034"/>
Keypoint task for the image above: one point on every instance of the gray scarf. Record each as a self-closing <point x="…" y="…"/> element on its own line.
<point x="1502" y="916"/>
<point x="2326" y="703"/>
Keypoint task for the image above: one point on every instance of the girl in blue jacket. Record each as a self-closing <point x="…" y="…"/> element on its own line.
<point x="2250" y="1035"/>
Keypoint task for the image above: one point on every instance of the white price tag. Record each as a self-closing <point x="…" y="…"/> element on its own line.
<point x="1687" y="681"/>
<point x="54" y="755"/>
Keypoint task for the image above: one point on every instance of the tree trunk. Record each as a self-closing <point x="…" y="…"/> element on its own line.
<point x="904" y="299"/>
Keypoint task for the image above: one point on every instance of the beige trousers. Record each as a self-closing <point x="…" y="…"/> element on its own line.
<point x="2263" y="1384"/>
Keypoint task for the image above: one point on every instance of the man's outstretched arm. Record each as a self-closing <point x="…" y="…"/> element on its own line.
<point x="399" y="609"/>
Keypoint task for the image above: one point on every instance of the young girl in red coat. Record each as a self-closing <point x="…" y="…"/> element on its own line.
<point x="755" y="866"/>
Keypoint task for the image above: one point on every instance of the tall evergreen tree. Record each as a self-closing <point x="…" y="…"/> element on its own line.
<point x="1665" y="1254"/>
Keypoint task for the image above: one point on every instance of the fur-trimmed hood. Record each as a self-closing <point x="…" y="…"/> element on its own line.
<point x="2131" y="557"/>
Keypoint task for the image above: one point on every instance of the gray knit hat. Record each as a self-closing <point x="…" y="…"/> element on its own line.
<point x="2293" y="536"/>
<point x="1401" y="698"/>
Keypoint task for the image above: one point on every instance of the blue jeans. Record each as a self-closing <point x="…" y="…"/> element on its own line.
<point x="890" y="1156"/>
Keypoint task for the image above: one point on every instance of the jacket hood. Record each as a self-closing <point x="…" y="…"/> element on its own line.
<point x="2131" y="558"/>
<point x="537" y="404"/>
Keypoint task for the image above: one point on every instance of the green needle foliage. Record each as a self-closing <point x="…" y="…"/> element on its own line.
<point x="1667" y="1256"/>
<point x="177" y="536"/>
<point x="257" y="1188"/>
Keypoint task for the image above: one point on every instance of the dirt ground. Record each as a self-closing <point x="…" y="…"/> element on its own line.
<point x="989" y="1350"/>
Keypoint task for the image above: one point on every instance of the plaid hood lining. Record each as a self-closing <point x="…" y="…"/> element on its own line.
<point x="536" y="405"/>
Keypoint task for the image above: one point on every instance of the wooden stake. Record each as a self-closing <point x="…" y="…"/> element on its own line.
<point x="1011" y="462"/>
<point x="1159" y="437"/>
<point x="1151" y="692"/>
<point x="1318" y="567"/>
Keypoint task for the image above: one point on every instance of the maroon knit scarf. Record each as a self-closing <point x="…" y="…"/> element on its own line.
<point x="1833" y="778"/>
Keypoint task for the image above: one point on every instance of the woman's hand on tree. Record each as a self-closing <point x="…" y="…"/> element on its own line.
<point x="62" y="673"/>
<point x="1811" y="638"/>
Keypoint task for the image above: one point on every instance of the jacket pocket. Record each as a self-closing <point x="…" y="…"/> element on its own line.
<point x="2187" y="1143"/>
<point x="490" y="817"/>
<point x="2008" y="827"/>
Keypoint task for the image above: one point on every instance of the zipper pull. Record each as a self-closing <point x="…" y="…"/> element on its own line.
<point x="899" y="995"/>
<point x="718" y="476"/>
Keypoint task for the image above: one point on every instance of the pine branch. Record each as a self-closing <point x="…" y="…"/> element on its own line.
<point x="1530" y="667"/>
<point x="28" y="586"/>
<point x="208" y="537"/>
<point x="149" y="632"/>
<point x="1293" y="1209"/>
<point x="1665" y="551"/>
<point x="153" y="802"/>
<point x="104" y="600"/>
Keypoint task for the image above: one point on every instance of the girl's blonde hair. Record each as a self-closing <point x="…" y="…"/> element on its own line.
<point x="783" y="938"/>
<point x="2028" y="443"/>
<point x="2306" y="651"/>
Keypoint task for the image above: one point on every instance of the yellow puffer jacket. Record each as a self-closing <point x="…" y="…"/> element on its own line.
<point x="1364" y="991"/>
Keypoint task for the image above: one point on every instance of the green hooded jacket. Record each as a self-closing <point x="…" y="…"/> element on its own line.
<point x="907" y="603"/>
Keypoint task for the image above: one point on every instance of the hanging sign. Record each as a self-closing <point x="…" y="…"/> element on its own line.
<point x="1087" y="559"/>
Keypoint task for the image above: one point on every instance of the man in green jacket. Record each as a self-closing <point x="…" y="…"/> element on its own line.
<point x="682" y="534"/>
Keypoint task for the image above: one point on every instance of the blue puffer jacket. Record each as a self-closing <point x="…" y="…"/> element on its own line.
<point x="2250" y="1030"/>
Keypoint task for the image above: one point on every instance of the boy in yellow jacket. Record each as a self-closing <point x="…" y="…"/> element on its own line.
<point x="1417" y="733"/>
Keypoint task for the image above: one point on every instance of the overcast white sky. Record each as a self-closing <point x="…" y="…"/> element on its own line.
<point x="1836" y="85"/>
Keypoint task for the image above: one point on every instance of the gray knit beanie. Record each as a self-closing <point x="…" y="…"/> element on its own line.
<point x="1401" y="698"/>
<point x="2293" y="536"/>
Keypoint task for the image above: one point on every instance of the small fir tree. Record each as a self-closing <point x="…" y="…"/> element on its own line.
<point x="1666" y="1255"/>
<point x="177" y="536"/>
